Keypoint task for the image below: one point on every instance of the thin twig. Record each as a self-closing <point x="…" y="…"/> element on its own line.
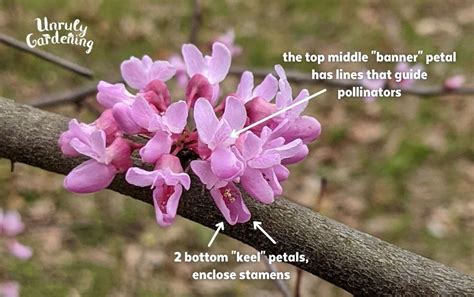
<point x="300" y="77"/>
<point x="196" y="21"/>
<point x="322" y="192"/>
<point x="10" y="41"/>
<point x="72" y="96"/>
<point x="75" y="95"/>
<point x="281" y="284"/>
<point x="299" y="280"/>
<point x="80" y="93"/>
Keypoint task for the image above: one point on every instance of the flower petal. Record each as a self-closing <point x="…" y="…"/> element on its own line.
<point x="287" y="150"/>
<point x="123" y="117"/>
<point x="273" y="181"/>
<point x="9" y="289"/>
<point x="280" y="71"/>
<point x="178" y="178"/>
<point x="110" y="94"/>
<point x="219" y="64"/>
<point x="203" y="170"/>
<point x="118" y="152"/>
<point x="158" y="145"/>
<point x="233" y="208"/>
<point x="161" y="70"/>
<point x="19" y="250"/>
<point x="11" y="223"/>
<point x="134" y="72"/>
<point x="266" y="160"/>
<point x="165" y="211"/>
<point x="77" y="130"/>
<point x="284" y="98"/>
<point x="306" y="128"/>
<point x="221" y="137"/>
<point x="295" y="155"/>
<point x="142" y="113"/>
<point x="176" y="116"/>
<point x="252" y="146"/>
<point x="281" y="172"/>
<point x="298" y="109"/>
<point x="89" y="177"/>
<point x="206" y="120"/>
<point x="245" y="87"/>
<point x="81" y="131"/>
<point x="95" y="148"/>
<point x="193" y="59"/>
<point x="225" y="165"/>
<point x="235" y="113"/>
<point x="255" y="184"/>
<point x="140" y="177"/>
<point x="267" y="89"/>
<point x="216" y="195"/>
<point x="169" y="161"/>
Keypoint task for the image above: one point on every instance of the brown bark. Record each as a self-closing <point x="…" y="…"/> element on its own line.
<point x="352" y="260"/>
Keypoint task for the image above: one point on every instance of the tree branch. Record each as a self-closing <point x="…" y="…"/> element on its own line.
<point x="352" y="260"/>
<point x="10" y="41"/>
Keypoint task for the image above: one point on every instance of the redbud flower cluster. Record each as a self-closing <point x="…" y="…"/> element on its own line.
<point x="201" y="124"/>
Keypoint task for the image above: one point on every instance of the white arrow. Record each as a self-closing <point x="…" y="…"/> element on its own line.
<point x="257" y="225"/>
<point x="220" y="226"/>
<point x="236" y="134"/>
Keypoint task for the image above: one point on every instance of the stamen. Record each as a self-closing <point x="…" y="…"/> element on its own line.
<point x="227" y="194"/>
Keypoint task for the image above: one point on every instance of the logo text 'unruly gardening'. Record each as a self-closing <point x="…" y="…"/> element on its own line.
<point x="73" y="33"/>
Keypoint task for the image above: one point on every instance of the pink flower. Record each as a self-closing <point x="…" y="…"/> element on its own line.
<point x="264" y="157"/>
<point x="156" y="92"/>
<point x="139" y="73"/>
<point x="172" y="121"/>
<point x="142" y="116"/>
<point x="106" y="122"/>
<point x="222" y="167"/>
<point x="257" y="109"/>
<point x="305" y="128"/>
<point x="454" y="82"/>
<point x="9" y="289"/>
<point x="11" y="226"/>
<point x="77" y="130"/>
<point x="206" y="72"/>
<point x="19" y="250"/>
<point x="404" y="67"/>
<point x="225" y="194"/>
<point x="372" y="84"/>
<point x="145" y="75"/>
<point x="266" y="90"/>
<point x="228" y="39"/>
<point x="110" y="94"/>
<point x="229" y="201"/>
<point x="10" y="223"/>
<point x="167" y="182"/>
<point x="216" y="134"/>
<point x="106" y="161"/>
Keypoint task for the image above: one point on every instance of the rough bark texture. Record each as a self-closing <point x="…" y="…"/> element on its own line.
<point x="355" y="261"/>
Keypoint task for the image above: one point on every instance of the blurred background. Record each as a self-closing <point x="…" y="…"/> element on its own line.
<point x="399" y="169"/>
